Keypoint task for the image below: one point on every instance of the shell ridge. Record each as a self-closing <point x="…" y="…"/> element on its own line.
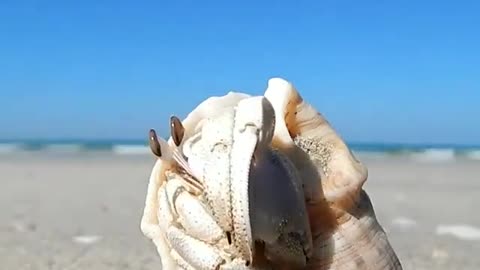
<point x="241" y="153"/>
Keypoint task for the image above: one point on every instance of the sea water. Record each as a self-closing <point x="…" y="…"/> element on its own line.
<point x="420" y="152"/>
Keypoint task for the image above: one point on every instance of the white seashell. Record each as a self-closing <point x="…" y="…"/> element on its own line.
<point x="346" y="232"/>
<point x="261" y="183"/>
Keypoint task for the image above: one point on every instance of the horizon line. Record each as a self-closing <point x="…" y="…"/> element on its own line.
<point x="145" y="140"/>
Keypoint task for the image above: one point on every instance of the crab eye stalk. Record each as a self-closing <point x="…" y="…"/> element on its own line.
<point x="154" y="143"/>
<point x="177" y="131"/>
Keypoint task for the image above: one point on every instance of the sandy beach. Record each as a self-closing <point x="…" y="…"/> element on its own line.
<point x="83" y="211"/>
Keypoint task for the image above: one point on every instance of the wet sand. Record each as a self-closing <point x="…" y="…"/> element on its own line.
<point x="83" y="212"/>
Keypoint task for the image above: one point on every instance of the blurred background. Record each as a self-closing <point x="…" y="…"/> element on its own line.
<point x="82" y="82"/>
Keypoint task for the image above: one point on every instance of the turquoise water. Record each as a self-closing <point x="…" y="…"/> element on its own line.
<point x="430" y="151"/>
<point x="78" y="144"/>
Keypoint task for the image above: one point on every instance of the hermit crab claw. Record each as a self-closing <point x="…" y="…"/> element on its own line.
<point x="277" y="212"/>
<point x="346" y="232"/>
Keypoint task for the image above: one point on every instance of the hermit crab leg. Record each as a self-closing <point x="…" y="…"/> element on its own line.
<point x="163" y="150"/>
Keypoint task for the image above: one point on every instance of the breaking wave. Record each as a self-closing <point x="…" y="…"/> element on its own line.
<point x="434" y="155"/>
<point x="131" y="149"/>
<point x="421" y="153"/>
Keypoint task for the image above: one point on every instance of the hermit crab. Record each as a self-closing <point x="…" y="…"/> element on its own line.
<point x="260" y="182"/>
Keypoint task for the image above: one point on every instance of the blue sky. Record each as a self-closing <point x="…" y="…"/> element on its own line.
<point x="380" y="71"/>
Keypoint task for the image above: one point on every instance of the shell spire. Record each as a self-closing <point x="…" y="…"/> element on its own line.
<point x="342" y="175"/>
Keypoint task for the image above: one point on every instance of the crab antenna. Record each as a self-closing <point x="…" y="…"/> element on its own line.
<point x="154" y="143"/>
<point x="177" y="132"/>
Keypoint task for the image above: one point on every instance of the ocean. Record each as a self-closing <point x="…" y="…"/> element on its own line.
<point x="430" y="152"/>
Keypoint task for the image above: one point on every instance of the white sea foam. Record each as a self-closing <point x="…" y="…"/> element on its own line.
<point x="6" y="148"/>
<point x="434" y="155"/>
<point x="473" y="154"/>
<point x="460" y="231"/>
<point x="131" y="149"/>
